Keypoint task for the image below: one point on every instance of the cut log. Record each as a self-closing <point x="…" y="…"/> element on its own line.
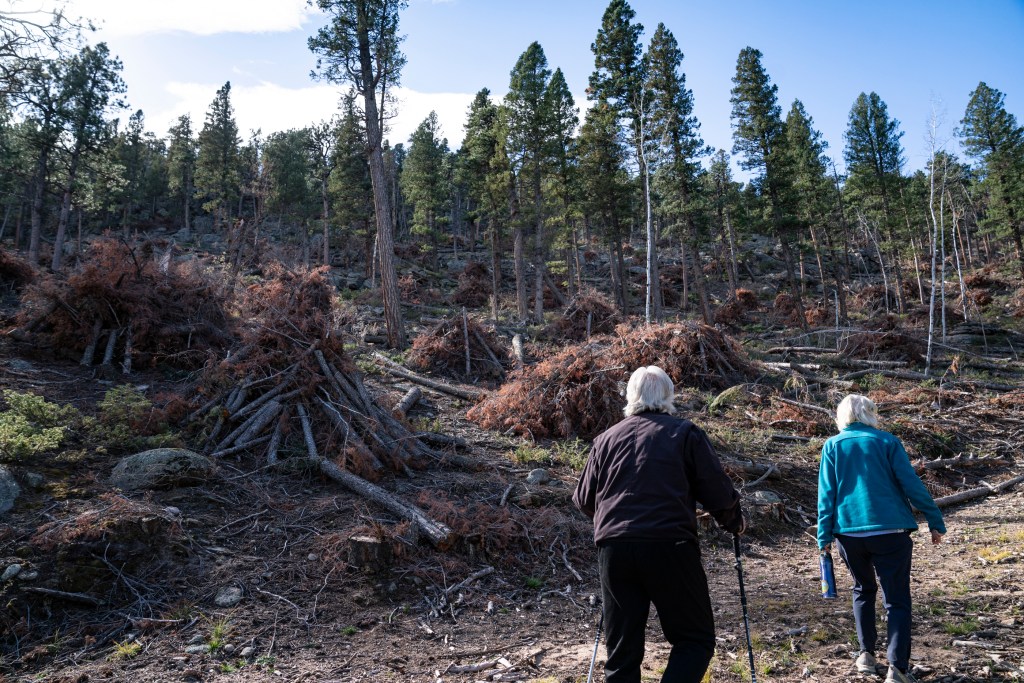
<point x="410" y="399"/>
<point x="439" y="535"/>
<point x="979" y="492"/>
<point x="959" y="461"/>
<point x="90" y="349"/>
<point x="367" y="552"/>
<point x="393" y="368"/>
<point x="517" y="351"/>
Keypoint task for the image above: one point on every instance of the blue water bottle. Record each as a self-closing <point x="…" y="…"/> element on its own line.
<point x="828" y="574"/>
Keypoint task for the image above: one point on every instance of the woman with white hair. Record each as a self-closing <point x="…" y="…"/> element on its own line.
<point x="866" y="487"/>
<point x="640" y="485"/>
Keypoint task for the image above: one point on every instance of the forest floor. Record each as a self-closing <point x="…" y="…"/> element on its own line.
<point x="307" y="614"/>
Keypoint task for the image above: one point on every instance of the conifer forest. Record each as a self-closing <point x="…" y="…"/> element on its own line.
<point x="311" y="405"/>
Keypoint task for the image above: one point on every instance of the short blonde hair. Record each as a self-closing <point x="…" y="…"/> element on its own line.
<point x="856" y="408"/>
<point x="649" y="390"/>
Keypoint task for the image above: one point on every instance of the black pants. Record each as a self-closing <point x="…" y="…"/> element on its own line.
<point x="633" y="575"/>
<point x="888" y="555"/>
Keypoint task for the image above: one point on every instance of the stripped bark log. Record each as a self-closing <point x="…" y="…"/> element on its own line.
<point x="410" y="399"/>
<point x="126" y="363"/>
<point x="90" y="349"/>
<point x="960" y="461"/>
<point x="517" y="351"/>
<point x="393" y="368"/>
<point x="979" y="492"/>
<point x="439" y="535"/>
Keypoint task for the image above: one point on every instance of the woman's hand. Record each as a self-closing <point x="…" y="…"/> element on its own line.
<point x="936" y="537"/>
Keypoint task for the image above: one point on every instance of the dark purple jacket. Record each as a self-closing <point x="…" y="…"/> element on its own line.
<point x="644" y="477"/>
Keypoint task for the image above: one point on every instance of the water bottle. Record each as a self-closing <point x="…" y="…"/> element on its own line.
<point x="828" y="575"/>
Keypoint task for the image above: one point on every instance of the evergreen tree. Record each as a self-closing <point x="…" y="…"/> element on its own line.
<point x="181" y="159"/>
<point x="92" y="81"/>
<point x="473" y="173"/>
<point x="759" y="135"/>
<point x="676" y="134"/>
<point x="724" y="196"/>
<point x="320" y="141"/>
<point x="360" y="45"/>
<point x="425" y="183"/>
<point x="530" y="147"/>
<point x="43" y="104"/>
<point x="350" y="184"/>
<point x="217" y="173"/>
<point x="562" y="174"/>
<point x="815" y="206"/>
<point x="874" y="157"/>
<point x="991" y="135"/>
<point x="606" y="189"/>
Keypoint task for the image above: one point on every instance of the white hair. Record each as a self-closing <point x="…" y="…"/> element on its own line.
<point x="856" y="408"/>
<point x="649" y="390"/>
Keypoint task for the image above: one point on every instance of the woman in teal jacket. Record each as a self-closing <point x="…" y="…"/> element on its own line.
<point x="866" y="486"/>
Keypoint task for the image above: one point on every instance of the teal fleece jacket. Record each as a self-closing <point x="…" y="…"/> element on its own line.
<point x="866" y="483"/>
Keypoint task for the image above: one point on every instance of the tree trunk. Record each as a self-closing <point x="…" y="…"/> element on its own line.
<point x="538" y="253"/>
<point x="382" y="209"/>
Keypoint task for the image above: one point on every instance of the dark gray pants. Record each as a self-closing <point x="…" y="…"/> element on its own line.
<point x="888" y="555"/>
<point x="633" y="575"/>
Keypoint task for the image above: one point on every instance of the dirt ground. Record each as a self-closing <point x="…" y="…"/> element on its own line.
<point x="281" y="539"/>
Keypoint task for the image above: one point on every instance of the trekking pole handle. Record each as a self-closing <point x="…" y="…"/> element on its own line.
<point x="743" y="604"/>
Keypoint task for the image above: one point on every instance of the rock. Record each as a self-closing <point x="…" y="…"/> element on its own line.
<point x="228" y="596"/>
<point x="31" y="575"/>
<point x="9" y="490"/>
<point x="538" y="476"/>
<point x="229" y="648"/>
<point x="34" y="480"/>
<point x="197" y="649"/>
<point x="764" y="497"/>
<point x="11" y="572"/>
<point x="161" y="468"/>
<point x="247" y="651"/>
<point x="172" y="511"/>
<point x="197" y="639"/>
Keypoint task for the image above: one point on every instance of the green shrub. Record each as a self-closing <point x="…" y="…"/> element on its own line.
<point x="32" y="425"/>
<point x="127" y="420"/>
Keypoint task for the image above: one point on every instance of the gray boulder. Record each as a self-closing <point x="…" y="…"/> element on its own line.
<point x="9" y="490"/>
<point x="161" y="468"/>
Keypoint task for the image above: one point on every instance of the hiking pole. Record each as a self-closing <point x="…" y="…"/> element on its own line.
<point x="743" y="603"/>
<point x="597" y="641"/>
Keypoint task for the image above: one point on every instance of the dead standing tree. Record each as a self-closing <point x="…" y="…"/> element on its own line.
<point x="291" y="390"/>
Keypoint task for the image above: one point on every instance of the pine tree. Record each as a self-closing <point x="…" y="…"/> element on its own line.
<point x="676" y="134"/>
<point x="991" y="135"/>
<point x="874" y="157"/>
<point x="530" y="126"/>
<point x="217" y="164"/>
<point x="759" y="135"/>
<point x="181" y="158"/>
<point x="606" y="188"/>
<point x="425" y="183"/>
<point x="814" y="190"/>
<point x="360" y="45"/>
<point x="92" y="82"/>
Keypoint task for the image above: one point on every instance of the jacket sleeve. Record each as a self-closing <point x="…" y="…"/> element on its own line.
<point x="913" y="487"/>
<point x="826" y="496"/>
<point x="711" y="486"/>
<point x="585" y="495"/>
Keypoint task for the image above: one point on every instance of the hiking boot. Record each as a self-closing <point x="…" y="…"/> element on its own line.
<point x="867" y="664"/>
<point x="897" y="676"/>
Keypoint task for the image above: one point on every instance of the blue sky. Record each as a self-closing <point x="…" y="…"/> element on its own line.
<point x="918" y="55"/>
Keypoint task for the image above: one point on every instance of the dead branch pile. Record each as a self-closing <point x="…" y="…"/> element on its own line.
<point x="15" y="272"/>
<point x="734" y="310"/>
<point x="892" y="345"/>
<point x="785" y="311"/>
<point x="291" y="392"/>
<point x="571" y="393"/>
<point x="577" y="392"/>
<point x="459" y="347"/>
<point x="151" y="310"/>
<point x="417" y="290"/>
<point x="693" y="354"/>
<point x="474" y="287"/>
<point x="588" y="313"/>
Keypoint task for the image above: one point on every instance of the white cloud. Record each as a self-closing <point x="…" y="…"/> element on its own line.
<point x="200" y="17"/>
<point x="271" y="108"/>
